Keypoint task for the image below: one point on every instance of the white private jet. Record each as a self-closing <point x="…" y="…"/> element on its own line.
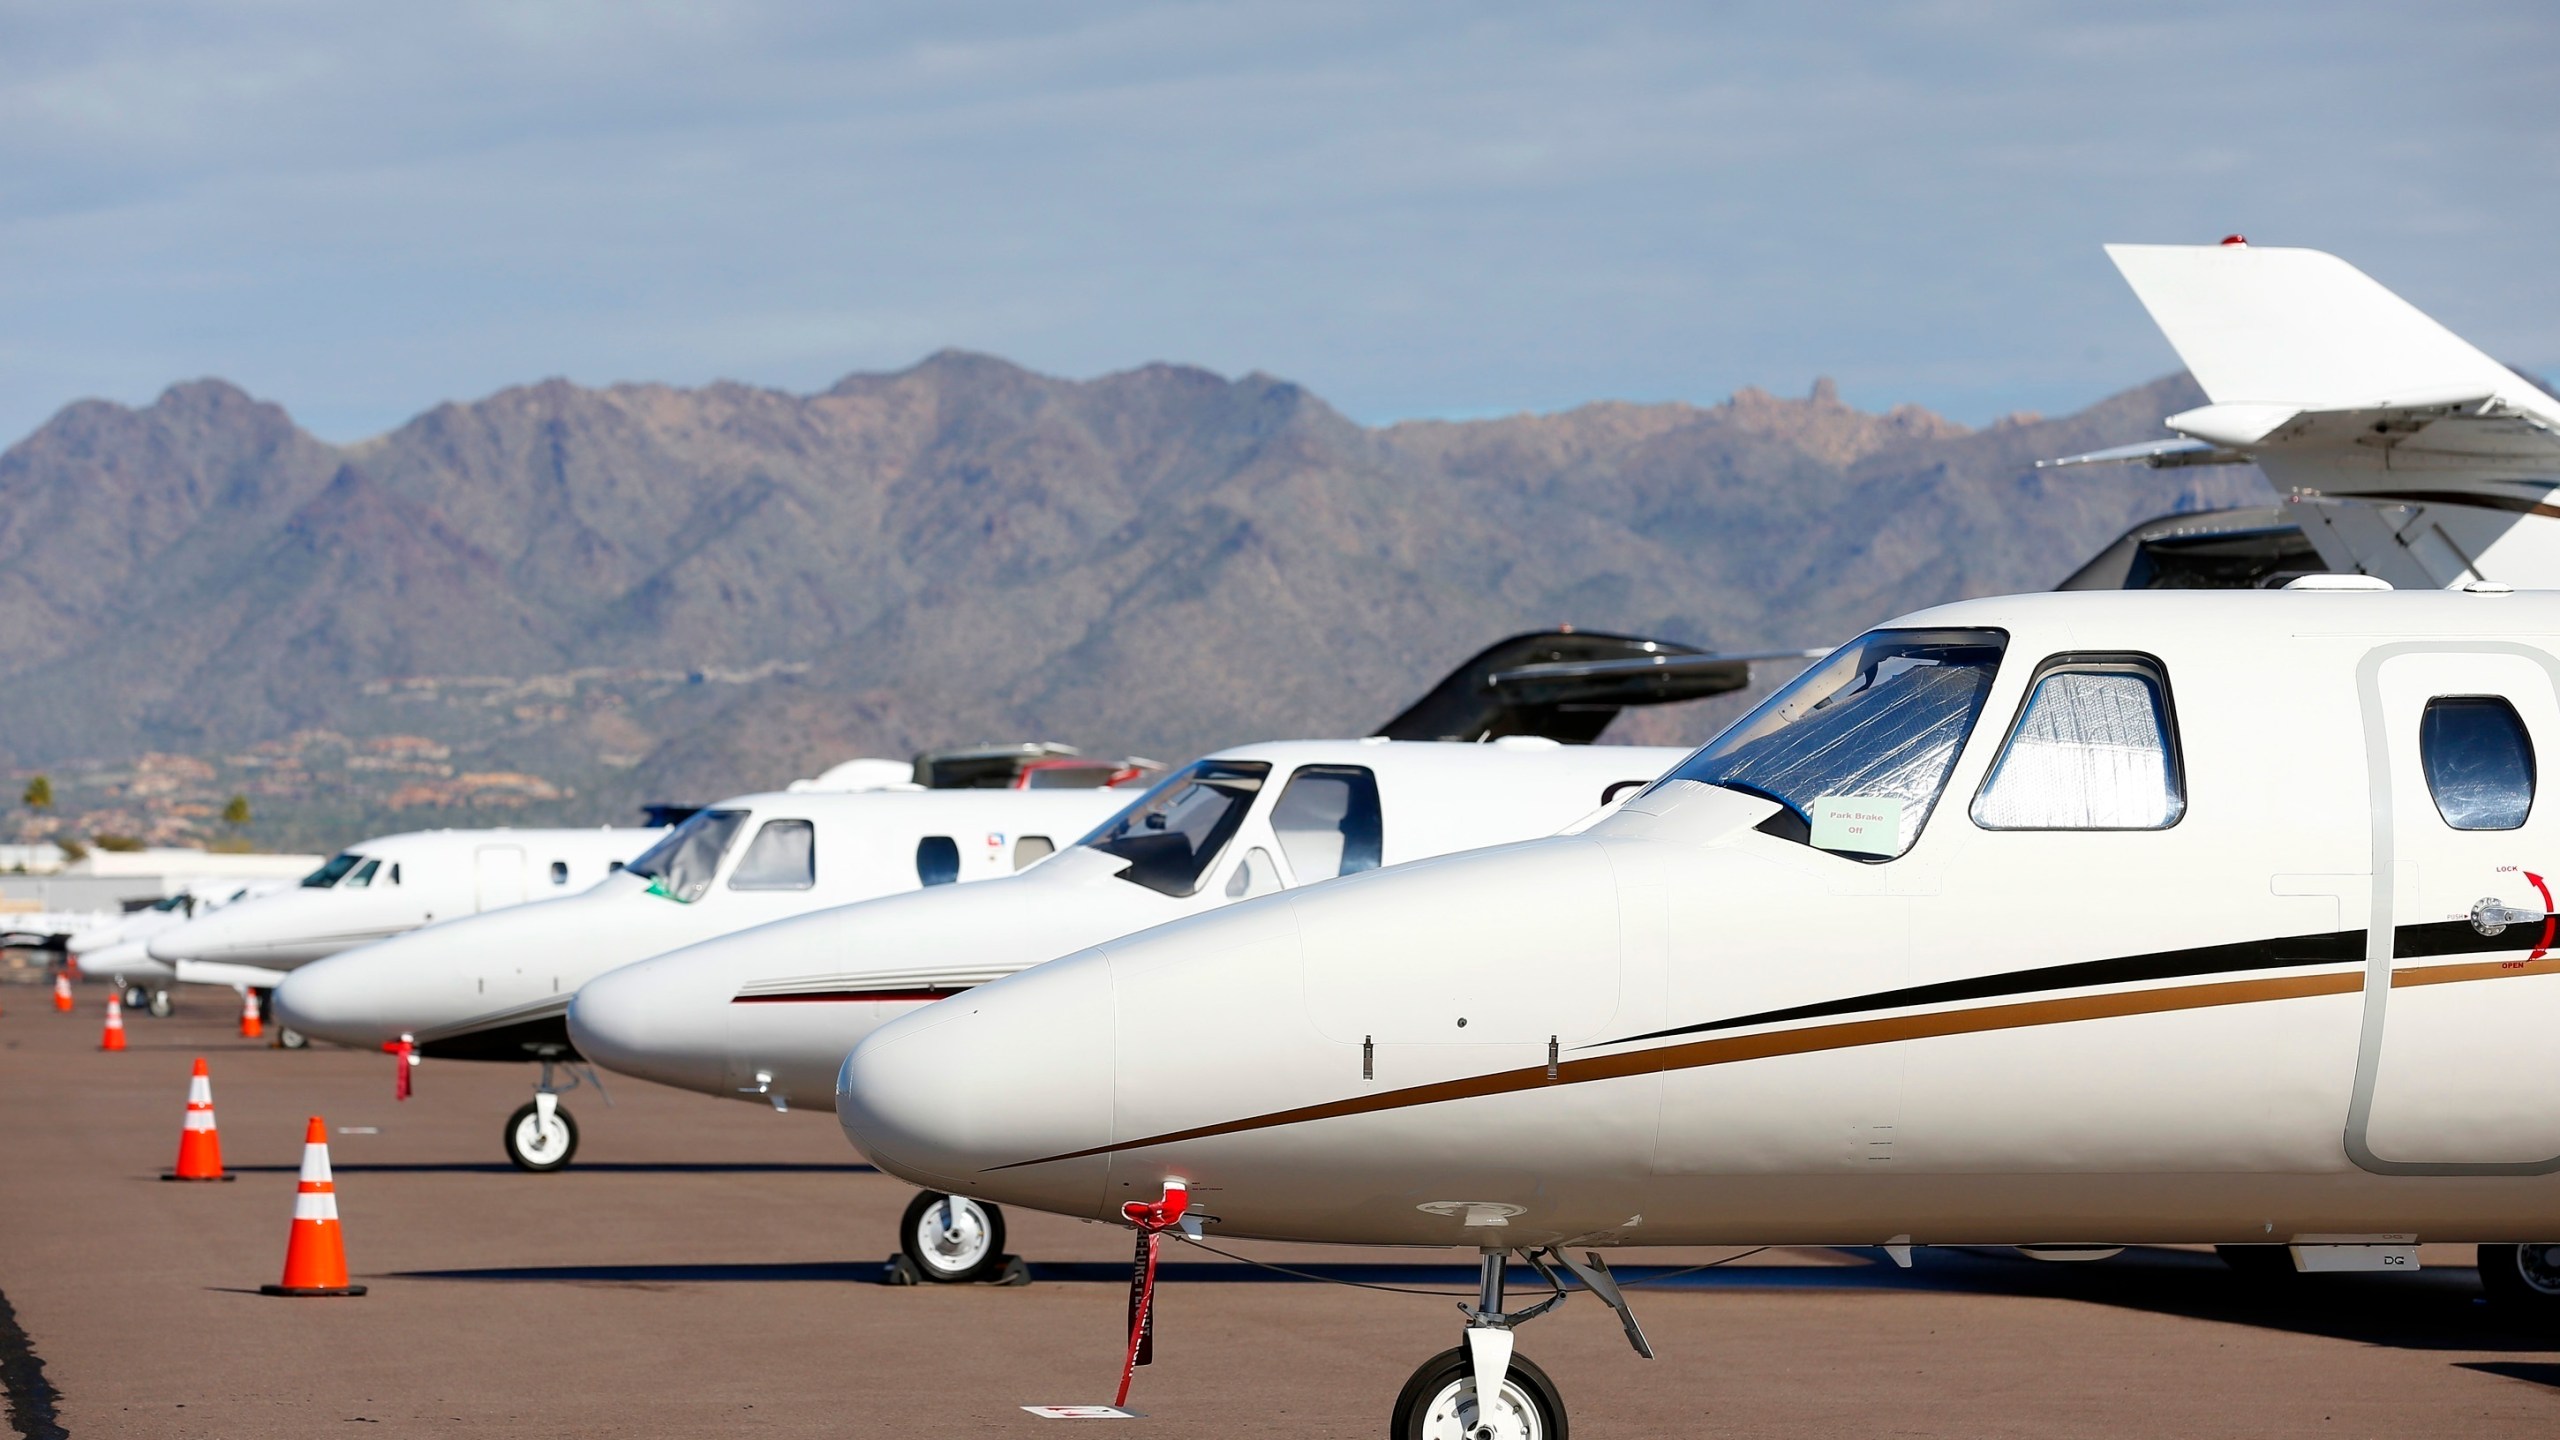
<point x="120" y="949"/>
<point x="496" y="986"/>
<point x="2051" y="920"/>
<point x="2204" y="968"/>
<point x="383" y="887"/>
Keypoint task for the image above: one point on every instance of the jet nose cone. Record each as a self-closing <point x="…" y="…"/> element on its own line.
<point x="329" y="1001"/>
<point x="664" y="1020"/>
<point x="960" y="1095"/>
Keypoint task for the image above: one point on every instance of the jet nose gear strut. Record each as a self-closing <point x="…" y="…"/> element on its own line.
<point x="1483" y="1390"/>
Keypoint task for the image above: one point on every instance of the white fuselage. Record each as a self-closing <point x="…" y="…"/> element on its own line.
<point x="2299" y="988"/>
<point x="489" y="985"/>
<point x="771" y="1012"/>
<point x="388" y="886"/>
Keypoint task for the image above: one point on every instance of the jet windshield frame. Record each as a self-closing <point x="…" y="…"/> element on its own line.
<point x="676" y="867"/>
<point x="332" y="870"/>
<point x="1775" y="754"/>
<point x="1138" y="833"/>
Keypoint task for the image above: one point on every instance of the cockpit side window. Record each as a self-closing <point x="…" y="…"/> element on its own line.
<point x="1859" y="747"/>
<point x="2095" y="748"/>
<point x="1172" y="834"/>
<point x="681" y="865"/>
<point x="332" y="872"/>
<point x="362" y="877"/>
<point x="2479" y="762"/>
<point x="783" y="856"/>
<point x="1328" y="822"/>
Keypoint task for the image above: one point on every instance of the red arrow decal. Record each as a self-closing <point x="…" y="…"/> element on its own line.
<point x="2549" y="921"/>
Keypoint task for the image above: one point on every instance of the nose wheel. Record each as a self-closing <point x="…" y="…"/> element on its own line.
<point x="952" y="1239"/>
<point x="541" y="1137"/>
<point x="1440" y="1402"/>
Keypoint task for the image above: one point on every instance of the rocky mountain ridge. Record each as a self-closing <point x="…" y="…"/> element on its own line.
<point x="1158" y="561"/>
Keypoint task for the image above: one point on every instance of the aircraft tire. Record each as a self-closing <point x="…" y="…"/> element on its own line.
<point x="161" y="1004"/>
<point x="2257" y="1262"/>
<point x="292" y="1039"/>
<point x="1428" y="1407"/>
<point x="2522" y="1281"/>
<point x="966" y="1245"/>
<point x="136" y="998"/>
<point x="533" y="1150"/>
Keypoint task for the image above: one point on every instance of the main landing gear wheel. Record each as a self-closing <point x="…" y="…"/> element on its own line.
<point x="538" y="1143"/>
<point x="952" y="1239"/>
<point x="161" y="1005"/>
<point x="2523" y="1281"/>
<point x="1439" y="1403"/>
<point x="292" y="1039"/>
<point x="135" y="997"/>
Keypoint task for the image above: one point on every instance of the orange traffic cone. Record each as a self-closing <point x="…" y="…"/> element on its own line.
<point x="315" y="1260"/>
<point x="62" y="993"/>
<point x="114" y="1038"/>
<point x="200" y="1144"/>
<point x="251" y="1027"/>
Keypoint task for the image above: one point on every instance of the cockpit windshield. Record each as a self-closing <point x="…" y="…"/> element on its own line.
<point x="1172" y="834"/>
<point x="680" y="866"/>
<point x="331" y="873"/>
<point x="1858" y="747"/>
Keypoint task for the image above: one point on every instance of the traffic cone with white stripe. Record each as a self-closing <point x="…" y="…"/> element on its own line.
<point x="200" y="1144"/>
<point x="62" y="993"/>
<point x="251" y="1027"/>
<point x="315" y="1260"/>
<point x="113" y="1039"/>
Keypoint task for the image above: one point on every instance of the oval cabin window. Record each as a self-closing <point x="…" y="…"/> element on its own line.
<point x="2478" y="760"/>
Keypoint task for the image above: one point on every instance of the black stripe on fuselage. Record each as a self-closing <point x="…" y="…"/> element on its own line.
<point x="2289" y="952"/>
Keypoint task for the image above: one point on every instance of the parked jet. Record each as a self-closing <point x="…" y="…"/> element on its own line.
<point x="2067" y="919"/>
<point x="497" y="986"/>
<point x="120" y="950"/>
<point x="383" y="887"/>
<point x="770" y="1012"/>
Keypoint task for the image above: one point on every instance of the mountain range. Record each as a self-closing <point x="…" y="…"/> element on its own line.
<point x="648" y="592"/>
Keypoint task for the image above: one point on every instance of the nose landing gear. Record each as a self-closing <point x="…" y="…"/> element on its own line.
<point x="541" y="1136"/>
<point x="1482" y="1390"/>
<point x="953" y="1240"/>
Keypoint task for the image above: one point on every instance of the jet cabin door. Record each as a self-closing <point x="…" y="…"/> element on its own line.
<point x="2457" y="1071"/>
<point x="497" y="876"/>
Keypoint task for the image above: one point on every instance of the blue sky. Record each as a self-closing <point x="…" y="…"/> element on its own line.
<point x="1421" y="209"/>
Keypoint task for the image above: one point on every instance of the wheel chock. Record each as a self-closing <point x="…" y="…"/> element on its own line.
<point x="899" y="1270"/>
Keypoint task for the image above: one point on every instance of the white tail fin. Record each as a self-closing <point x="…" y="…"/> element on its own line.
<point x="2306" y="331"/>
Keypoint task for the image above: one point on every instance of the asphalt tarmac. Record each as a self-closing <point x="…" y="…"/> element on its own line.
<point x="710" y="1267"/>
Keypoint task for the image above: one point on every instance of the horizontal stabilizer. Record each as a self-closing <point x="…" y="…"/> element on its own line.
<point x="2303" y="329"/>
<point x="2158" y="454"/>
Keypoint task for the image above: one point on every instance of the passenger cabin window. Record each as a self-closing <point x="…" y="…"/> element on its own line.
<point x="2479" y="762"/>
<point x="783" y="856"/>
<point x="1172" y="834"/>
<point x="2094" y="749"/>
<point x="1858" y="747"/>
<point x="1030" y="850"/>
<point x="363" y="875"/>
<point x="559" y="872"/>
<point x="1328" y="822"/>
<point x="680" y="866"/>
<point x="937" y="860"/>
<point x="332" y="872"/>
